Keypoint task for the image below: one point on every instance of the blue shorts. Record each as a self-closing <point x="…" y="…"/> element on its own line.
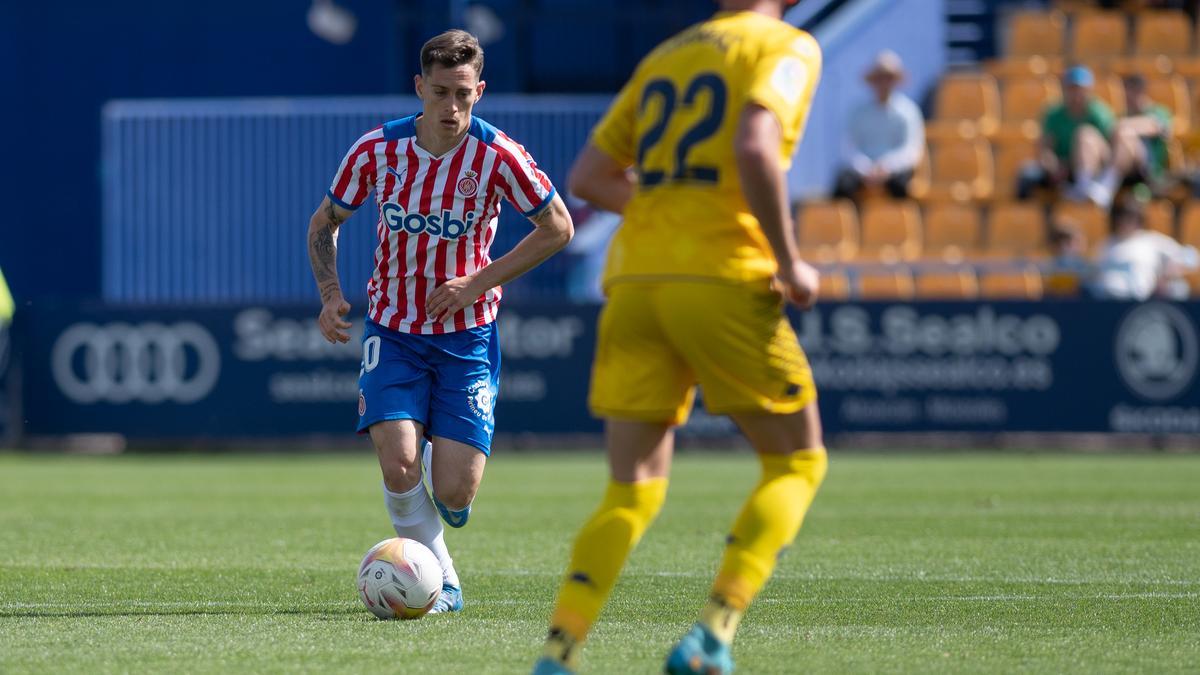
<point x="446" y="382"/>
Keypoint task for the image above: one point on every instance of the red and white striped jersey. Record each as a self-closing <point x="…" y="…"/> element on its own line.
<point x="437" y="215"/>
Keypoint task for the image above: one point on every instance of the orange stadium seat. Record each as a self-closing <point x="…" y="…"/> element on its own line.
<point x="1162" y="32"/>
<point x="1036" y="33"/>
<point x="835" y="285"/>
<point x="891" y="231"/>
<point x="1160" y="217"/>
<point x="956" y="284"/>
<point x="1099" y="36"/>
<point x="952" y="231"/>
<point x="886" y="284"/>
<point x="1024" y="100"/>
<point x="967" y="105"/>
<point x="1111" y="90"/>
<point x="962" y="171"/>
<point x="1010" y="157"/>
<point x="1022" y="66"/>
<point x="1189" y="225"/>
<point x="918" y="187"/>
<point x="1023" y="284"/>
<point x="828" y="231"/>
<point x="1016" y="230"/>
<point x="1193" y="281"/>
<point x="1172" y="91"/>
<point x="1092" y="221"/>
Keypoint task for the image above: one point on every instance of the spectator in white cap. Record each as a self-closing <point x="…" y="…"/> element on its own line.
<point x="886" y="136"/>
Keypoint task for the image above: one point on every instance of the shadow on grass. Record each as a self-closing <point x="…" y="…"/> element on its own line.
<point x="324" y="614"/>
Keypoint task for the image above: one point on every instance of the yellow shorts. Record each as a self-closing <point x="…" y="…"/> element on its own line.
<point x="658" y="340"/>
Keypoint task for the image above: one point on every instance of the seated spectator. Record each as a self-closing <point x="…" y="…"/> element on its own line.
<point x="886" y="136"/>
<point x="1073" y="150"/>
<point x="1140" y="142"/>
<point x="1136" y="263"/>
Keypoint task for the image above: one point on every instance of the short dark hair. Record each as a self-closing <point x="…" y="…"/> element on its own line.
<point x="450" y="49"/>
<point x="1136" y="82"/>
<point x="1063" y="230"/>
<point x="1127" y="207"/>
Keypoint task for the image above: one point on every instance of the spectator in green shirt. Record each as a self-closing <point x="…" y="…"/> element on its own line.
<point x="1074" y="151"/>
<point x="1140" y="144"/>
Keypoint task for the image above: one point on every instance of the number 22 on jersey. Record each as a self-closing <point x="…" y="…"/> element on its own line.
<point x="706" y="90"/>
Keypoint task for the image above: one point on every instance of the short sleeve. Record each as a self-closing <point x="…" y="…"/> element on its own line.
<point x="523" y="183"/>
<point x="356" y="175"/>
<point x="784" y="79"/>
<point x="614" y="133"/>
<point x="1105" y="121"/>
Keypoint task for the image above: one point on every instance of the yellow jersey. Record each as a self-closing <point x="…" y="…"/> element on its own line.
<point x="675" y="121"/>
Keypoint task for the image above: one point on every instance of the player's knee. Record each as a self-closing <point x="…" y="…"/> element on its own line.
<point x="399" y="474"/>
<point x="456" y="495"/>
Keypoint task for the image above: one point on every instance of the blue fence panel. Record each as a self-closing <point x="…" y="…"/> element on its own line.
<point x="208" y="201"/>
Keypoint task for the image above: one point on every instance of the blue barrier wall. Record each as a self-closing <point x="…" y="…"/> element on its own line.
<point x="266" y="371"/>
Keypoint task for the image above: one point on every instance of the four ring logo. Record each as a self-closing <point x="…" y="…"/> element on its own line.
<point x="142" y="363"/>
<point x="1157" y="352"/>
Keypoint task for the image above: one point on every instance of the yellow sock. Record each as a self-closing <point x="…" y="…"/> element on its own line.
<point x="599" y="553"/>
<point x="767" y="524"/>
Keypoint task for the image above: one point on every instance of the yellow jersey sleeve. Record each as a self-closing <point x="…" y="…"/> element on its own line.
<point x="783" y="81"/>
<point x="614" y="134"/>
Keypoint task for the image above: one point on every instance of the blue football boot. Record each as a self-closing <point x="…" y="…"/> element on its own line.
<point x="449" y="601"/>
<point x="699" y="653"/>
<point x="548" y="666"/>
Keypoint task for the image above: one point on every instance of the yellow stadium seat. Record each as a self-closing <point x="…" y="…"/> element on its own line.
<point x="918" y="187"/>
<point x="835" y="285"/>
<point x="1189" y="225"/>
<point x="1061" y="284"/>
<point x="1141" y="64"/>
<point x="828" y="231"/>
<point x="1024" y="100"/>
<point x="1091" y="220"/>
<point x="886" y="284"/>
<point x="1099" y="36"/>
<point x="962" y="170"/>
<point x="1036" y="33"/>
<point x="952" y="231"/>
<point x="1016" y="230"/>
<point x="1160" y="217"/>
<point x="1162" y="32"/>
<point x="891" y="231"/>
<point x="1010" y="157"/>
<point x="1172" y="92"/>
<point x="1111" y="90"/>
<point x="957" y="284"/>
<point x="1023" y="66"/>
<point x="967" y="105"/>
<point x="1023" y="284"/>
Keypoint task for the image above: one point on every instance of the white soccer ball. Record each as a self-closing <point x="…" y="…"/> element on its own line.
<point x="399" y="579"/>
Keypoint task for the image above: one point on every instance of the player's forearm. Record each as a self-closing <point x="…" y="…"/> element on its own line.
<point x="766" y="194"/>
<point x="553" y="231"/>
<point x="322" y="252"/>
<point x="600" y="180"/>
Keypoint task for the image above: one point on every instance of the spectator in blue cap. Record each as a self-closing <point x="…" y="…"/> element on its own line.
<point x="1074" y="151"/>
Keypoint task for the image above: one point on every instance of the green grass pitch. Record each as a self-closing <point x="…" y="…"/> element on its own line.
<point x="908" y="563"/>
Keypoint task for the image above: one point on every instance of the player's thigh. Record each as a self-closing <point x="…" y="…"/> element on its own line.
<point x="467" y="379"/>
<point x="398" y="445"/>
<point x="457" y="471"/>
<point x="741" y="346"/>
<point x="638" y="375"/>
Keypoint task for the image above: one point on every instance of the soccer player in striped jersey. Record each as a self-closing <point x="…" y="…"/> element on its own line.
<point x="693" y="152"/>
<point x="431" y="356"/>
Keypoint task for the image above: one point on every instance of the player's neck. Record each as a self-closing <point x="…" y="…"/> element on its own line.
<point x="769" y="8"/>
<point x="434" y="143"/>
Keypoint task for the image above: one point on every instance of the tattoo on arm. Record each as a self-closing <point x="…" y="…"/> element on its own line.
<point x="322" y="254"/>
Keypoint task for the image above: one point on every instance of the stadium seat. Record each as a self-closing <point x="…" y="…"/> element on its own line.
<point x="1024" y="100"/>
<point x="1022" y="66"/>
<point x="1172" y="91"/>
<point x="1162" y="32"/>
<point x="952" y="231"/>
<point x="955" y="284"/>
<point x="1099" y="36"/>
<point x="1189" y="225"/>
<point x="1061" y="285"/>
<point x="1160" y="217"/>
<point x="1036" y="33"/>
<point x="1022" y="284"/>
<point x="1111" y="90"/>
<point x="828" y="231"/>
<point x="1147" y="66"/>
<point x="1010" y="157"/>
<point x="895" y="283"/>
<point x="835" y="285"/>
<point x="1092" y="221"/>
<point x="962" y="170"/>
<point x="891" y="231"/>
<point x="1193" y="281"/>
<point x="966" y="105"/>
<point x="918" y="187"/>
<point x="1016" y="230"/>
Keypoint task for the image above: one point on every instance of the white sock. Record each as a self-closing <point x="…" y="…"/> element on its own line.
<point x="414" y="517"/>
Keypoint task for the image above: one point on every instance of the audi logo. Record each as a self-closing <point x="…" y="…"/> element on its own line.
<point x="142" y="363"/>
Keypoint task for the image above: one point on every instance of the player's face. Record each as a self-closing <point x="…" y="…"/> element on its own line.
<point x="448" y="95"/>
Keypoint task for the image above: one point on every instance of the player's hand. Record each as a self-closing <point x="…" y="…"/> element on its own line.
<point x="452" y="297"/>
<point x="799" y="284"/>
<point x="333" y="325"/>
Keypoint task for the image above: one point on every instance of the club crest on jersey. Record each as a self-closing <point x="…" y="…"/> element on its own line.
<point x="468" y="184"/>
<point x="443" y="225"/>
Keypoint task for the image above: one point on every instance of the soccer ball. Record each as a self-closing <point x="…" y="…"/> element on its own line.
<point x="399" y="579"/>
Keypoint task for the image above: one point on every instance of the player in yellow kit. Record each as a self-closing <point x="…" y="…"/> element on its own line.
<point x="693" y="152"/>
